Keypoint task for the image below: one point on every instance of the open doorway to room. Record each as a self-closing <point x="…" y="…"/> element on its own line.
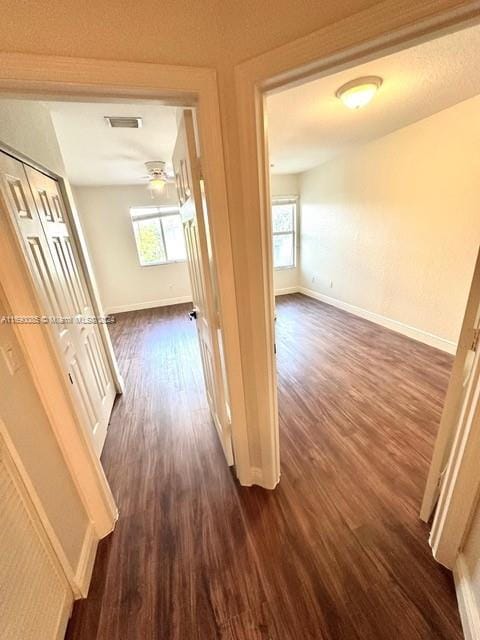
<point x="375" y="238"/>
<point x="124" y="220"/>
<point x="113" y="154"/>
<point x="130" y="172"/>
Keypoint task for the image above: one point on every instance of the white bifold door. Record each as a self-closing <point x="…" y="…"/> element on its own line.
<point x="194" y="213"/>
<point x="37" y="211"/>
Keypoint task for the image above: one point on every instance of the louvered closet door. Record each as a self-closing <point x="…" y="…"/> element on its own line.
<point x="36" y="206"/>
<point x="35" y="598"/>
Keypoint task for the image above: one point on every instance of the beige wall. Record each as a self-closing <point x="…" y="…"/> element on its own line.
<point x="122" y="282"/>
<point x="28" y="427"/>
<point x="393" y="227"/>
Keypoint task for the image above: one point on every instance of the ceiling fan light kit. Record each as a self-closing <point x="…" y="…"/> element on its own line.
<point x="158" y="177"/>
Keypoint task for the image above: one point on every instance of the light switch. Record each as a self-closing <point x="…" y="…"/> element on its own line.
<point x="11" y="360"/>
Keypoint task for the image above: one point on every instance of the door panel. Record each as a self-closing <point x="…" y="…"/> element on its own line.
<point x="73" y="291"/>
<point x="38" y="213"/>
<point x="456" y="396"/>
<point x="87" y="404"/>
<point x="91" y="360"/>
<point x="202" y="276"/>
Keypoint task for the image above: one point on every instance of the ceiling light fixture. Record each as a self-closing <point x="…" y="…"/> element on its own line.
<point x="157" y="176"/>
<point x="358" y="93"/>
<point x="157" y="184"/>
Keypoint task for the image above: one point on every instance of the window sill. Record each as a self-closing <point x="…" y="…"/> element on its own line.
<point x="293" y="266"/>
<point x="162" y="264"/>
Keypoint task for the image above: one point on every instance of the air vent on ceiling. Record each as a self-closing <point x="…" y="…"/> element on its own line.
<point x="123" y="122"/>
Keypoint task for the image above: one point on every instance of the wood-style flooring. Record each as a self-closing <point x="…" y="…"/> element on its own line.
<point x="336" y="552"/>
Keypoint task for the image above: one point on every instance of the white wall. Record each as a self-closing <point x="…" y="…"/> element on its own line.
<point x="122" y="282"/>
<point x="286" y="185"/>
<point x="27" y="127"/>
<point x="394" y="226"/>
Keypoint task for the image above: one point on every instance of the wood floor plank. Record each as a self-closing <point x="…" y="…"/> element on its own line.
<point x="336" y="552"/>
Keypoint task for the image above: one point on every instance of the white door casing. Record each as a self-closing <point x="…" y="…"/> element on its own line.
<point x="194" y="213"/>
<point x="37" y="212"/>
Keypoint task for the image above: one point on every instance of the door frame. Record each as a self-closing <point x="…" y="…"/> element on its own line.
<point x="36" y="77"/>
<point x="369" y="34"/>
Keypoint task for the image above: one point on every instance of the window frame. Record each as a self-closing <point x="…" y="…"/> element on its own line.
<point x="278" y="200"/>
<point x="156" y="211"/>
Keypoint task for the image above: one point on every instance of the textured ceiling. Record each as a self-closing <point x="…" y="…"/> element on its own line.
<point x="96" y="154"/>
<point x="308" y="125"/>
<point x="214" y="33"/>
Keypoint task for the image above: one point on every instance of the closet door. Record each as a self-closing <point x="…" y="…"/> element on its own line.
<point x="91" y="373"/>
<point x="36" y="207"/>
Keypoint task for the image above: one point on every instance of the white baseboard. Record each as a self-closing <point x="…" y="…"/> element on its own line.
<point x="255" y="476"/>
<point x="285" y="290"/>
<point x="83" y="575"/>
<point x="467" y="603"/>
<point x="394" y="325"/>
<point x="149" y="304"/>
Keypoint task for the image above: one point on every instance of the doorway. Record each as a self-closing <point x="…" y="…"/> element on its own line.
<point x="335" y="158"/>
<point x="267" y="90"/>
<point x="139" y="231"/>
<point x="351" y="184"/>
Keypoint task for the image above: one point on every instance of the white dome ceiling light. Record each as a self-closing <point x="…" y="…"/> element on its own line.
<point x="358" y="93"/>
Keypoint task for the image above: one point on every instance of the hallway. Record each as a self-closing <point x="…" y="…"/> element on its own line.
<point x="336" y="552"/>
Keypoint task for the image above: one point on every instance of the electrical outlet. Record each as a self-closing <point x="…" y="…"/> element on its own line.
<point x="331" y="284"/>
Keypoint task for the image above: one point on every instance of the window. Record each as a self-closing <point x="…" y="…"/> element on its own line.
<point x="284" y="213"/>
<point x="158" y="234"/>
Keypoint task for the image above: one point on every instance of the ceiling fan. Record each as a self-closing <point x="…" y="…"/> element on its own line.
<point x="157" y="176"/>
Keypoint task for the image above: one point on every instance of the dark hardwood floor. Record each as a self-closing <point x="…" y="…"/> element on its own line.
<point x="336" y="552"/>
